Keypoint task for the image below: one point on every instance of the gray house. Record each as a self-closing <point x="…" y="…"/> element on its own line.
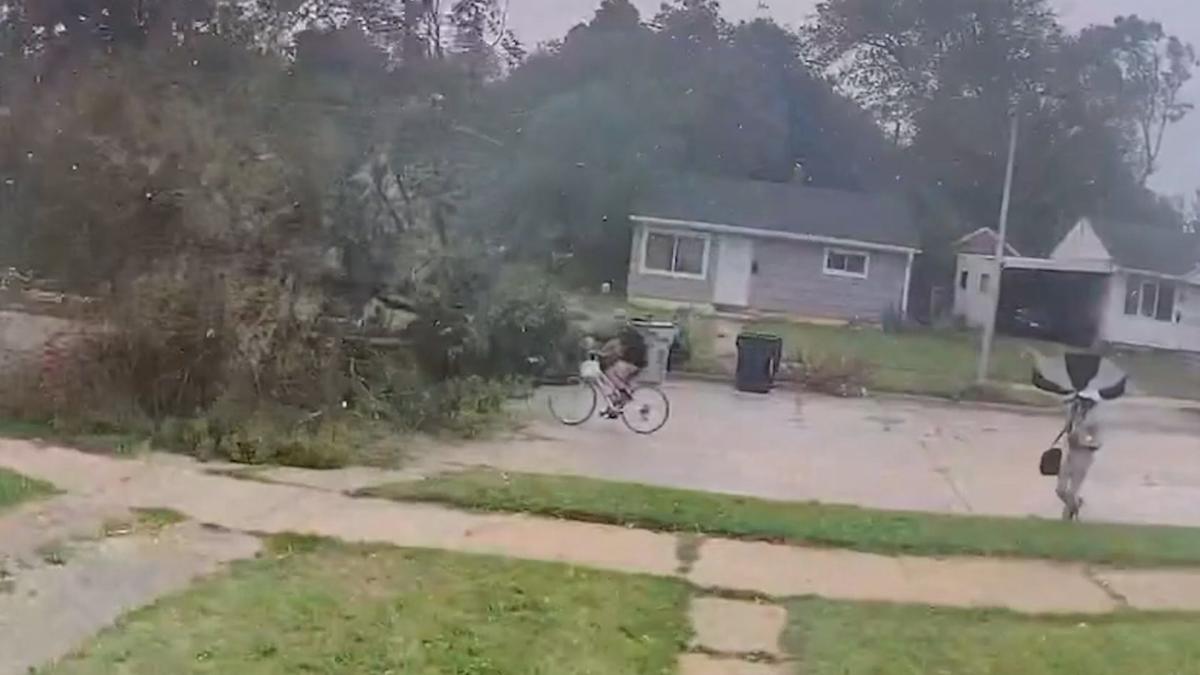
<point x="736" y="245"/>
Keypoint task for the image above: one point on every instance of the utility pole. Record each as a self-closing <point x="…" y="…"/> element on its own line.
<point x="989" y="327"/>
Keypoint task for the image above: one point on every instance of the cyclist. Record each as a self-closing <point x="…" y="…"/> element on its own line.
<point x="622" y="358"/>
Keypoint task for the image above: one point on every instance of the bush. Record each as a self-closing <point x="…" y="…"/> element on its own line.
<point x="837" y="375"/>
<point x="518" y="325"/>
<point x="269" y="435"/>
<point x="528" y="326"/>
<point x="223" y="366"/>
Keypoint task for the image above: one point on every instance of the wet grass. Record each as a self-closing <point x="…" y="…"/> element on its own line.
<point x="143" y="521"/>
<point x="311" y="605"/>
<point x="868" y="639"/>
<point x="15" y="489"/>
<point x="111" y="442"/>
<point x="876" y="531"/>
<point x="926" y="362"/>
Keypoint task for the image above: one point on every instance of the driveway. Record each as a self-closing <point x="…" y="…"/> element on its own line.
<point x="885" y="453"/>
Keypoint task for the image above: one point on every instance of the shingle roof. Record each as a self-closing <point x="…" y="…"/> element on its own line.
<point x="1151" y="249"/>
<point x="795" y="209"/>
<point x="983" y="242"/>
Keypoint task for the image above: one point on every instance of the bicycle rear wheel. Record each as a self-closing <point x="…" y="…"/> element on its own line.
<point x="572" y="403"/>
<point x="647" y="410"/>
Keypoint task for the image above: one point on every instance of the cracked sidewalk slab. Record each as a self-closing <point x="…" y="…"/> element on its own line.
<point x="1026" y="586"/>
<point x="52" y="609"/>
<point x="1154" y="590"/>
<point x="737" y="627"/>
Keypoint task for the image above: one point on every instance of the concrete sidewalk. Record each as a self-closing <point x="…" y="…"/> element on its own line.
<point x="724" y="565"/>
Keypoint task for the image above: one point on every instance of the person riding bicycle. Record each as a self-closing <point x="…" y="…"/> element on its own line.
<point x="622" y="358"/>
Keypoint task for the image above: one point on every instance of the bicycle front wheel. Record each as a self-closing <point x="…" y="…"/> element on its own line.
<point x="572" y="403"/>
<point x="647" y="410"/>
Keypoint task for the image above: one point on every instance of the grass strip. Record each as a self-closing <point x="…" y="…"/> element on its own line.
<point x="876" y="531"/>
<point x="16" y="489"/>
<point x="832" y="638"/>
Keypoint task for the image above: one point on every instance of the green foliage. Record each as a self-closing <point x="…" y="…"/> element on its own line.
<point x="887" y="532"/>
<point x="528" y="331"/>
<point x="268" y="435"/>
<point x="944" y="78"/>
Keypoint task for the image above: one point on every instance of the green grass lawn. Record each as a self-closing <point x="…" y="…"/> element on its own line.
<point x="865" y="639"/>
<point x="1165" y="374"/>
<point x="15" y="488"/>
<point x="889" y="532"/>
<point x="921" y="361"/>
<point x="312" y="606"/>
<point x="943" y="363"/>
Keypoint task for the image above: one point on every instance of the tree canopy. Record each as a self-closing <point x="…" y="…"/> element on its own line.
<point x="371" y="139"/>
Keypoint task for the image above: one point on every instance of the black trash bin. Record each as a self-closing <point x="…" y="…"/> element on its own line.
<point x="758" y="360"/>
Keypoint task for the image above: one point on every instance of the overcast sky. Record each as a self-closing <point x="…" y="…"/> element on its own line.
<point x="539" y="20"/>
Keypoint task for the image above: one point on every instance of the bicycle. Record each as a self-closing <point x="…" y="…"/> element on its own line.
<point x="643" y="408"/>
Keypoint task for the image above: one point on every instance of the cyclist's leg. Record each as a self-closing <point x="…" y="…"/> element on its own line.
<point x="622" y="374"/>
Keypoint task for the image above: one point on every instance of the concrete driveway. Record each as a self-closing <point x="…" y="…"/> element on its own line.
<point x="886" y="453"/>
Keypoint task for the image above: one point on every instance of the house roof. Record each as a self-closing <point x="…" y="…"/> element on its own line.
<point x="983" y="242"/>
<point x="1149" y="249"/>
<point x="781" y="207"/>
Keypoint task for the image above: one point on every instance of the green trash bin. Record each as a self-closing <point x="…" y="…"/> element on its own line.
<point x="758" y="359"/>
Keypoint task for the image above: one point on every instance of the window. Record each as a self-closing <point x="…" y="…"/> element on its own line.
<point x="1150" y="298"/>
<point x="843" y="263"/>
<point x="963" y="278"/>
<point x="675" y="254"/>
<point x="985" y="283"/>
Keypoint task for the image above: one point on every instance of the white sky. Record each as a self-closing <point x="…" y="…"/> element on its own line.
<point x="539" y="20"/>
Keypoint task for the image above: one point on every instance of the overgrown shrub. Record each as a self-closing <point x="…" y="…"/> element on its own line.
<point x="266" y="436"/>
<point x="228" y="366"/>
<point x="528" y="328"/>
<point x="837" y="375"/>
<point x="517" y="325"/>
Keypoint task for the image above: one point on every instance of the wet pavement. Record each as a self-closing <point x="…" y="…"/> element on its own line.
<point x="888" y="453"/>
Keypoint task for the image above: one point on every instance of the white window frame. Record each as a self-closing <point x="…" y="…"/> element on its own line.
<point x="846" y="252"/>
<point x="706" y="238"/>
<point x="1140" y="281"/>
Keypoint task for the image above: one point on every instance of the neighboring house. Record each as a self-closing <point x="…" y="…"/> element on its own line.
<point x="737" y="245"/>
<point x="1152" y="291"/>
<point x="1116" y="283"/>
<point x="976" y="256"/>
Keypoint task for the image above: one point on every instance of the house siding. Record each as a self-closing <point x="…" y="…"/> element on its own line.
<point x="790" y="278"/>
<point x="971" y="303"/>
<point x="1120" y="328"/>
<point x="664" y="287"/>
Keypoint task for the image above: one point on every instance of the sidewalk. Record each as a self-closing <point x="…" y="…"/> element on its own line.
<point x="723" y="565"/>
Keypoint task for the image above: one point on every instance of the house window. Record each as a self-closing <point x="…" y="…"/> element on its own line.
<point x="675" y="254"/>
<point x="842" y="263"/>
<point x="1150" y="298"/>
<point x="985" y="283"/>
<point x="963" y="278"/>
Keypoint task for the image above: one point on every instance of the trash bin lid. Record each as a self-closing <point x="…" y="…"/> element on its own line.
<point x="759" y="337"/>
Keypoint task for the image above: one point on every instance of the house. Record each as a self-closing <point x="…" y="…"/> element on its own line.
<point x="975" y="266"/>
<point x="738" y="245"/>
<point x="1152" y="293"/>
<point x="1105" y="282"/>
